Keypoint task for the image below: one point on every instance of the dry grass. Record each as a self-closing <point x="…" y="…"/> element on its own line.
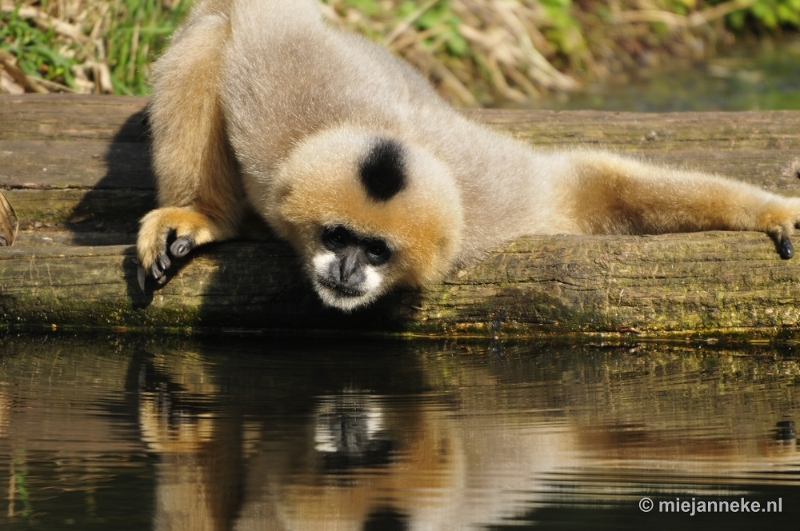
<point x="504" y="55"/>
<point x="85" y="46"/>
<point x="520" y="50"/>
<point x="477" y="52"/>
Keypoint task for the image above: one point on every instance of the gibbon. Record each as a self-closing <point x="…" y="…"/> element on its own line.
<point x="350" y="155"/>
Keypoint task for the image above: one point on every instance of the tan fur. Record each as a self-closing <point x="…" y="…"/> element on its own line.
<point x="258" y="105"/>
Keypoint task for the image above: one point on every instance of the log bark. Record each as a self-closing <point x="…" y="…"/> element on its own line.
<point x="77" y="171"/>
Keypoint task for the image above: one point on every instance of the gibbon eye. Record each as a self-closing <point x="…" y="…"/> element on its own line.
<point x="378" y="252"/>
<point x="340" y="239"/>
<point x="336" y="237"/>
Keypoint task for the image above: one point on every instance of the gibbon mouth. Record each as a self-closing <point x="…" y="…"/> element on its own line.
<point x="344" y="291"/>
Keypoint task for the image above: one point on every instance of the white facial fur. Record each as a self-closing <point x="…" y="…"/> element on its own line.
<point x="371" y="286"/>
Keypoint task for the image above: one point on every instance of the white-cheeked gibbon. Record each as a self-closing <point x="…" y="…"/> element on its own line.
<point x="351" y="156"/>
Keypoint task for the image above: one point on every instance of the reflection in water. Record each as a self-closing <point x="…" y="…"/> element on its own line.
<point x="242" y="434"/>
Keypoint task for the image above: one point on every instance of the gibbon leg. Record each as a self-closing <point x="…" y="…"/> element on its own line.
<point x="614" y="195"/>
<point x="199" y="192"/>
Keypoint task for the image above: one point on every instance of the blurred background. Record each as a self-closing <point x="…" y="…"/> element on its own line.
<point x="645" y="55"/>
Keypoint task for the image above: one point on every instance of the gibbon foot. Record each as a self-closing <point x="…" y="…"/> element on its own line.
<point x="189" y="228"/>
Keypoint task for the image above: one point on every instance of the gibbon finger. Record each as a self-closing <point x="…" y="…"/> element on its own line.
<point x="158" y="273"/>
<point x="785" y="247"/>
<point x="164" y="261"/>
<point x="141" y="276"/>
<point x="181" y="247"/>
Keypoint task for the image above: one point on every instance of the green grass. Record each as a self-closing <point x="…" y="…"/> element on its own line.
<point x="141" y="31"/>
<point x="131" y="34"/>
<point x="34" y="49"/>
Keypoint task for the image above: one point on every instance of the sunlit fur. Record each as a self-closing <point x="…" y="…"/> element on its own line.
<point x="258" y="104"/>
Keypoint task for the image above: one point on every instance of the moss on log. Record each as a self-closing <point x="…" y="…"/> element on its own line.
<point x="76" y="170"/>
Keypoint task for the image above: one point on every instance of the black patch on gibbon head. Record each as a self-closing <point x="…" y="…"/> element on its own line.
<point x="383" y="171"/>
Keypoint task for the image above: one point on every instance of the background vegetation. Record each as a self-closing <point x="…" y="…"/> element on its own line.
<point x="477" y="52"/>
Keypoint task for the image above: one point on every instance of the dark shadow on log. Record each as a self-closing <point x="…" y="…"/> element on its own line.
<point x="124" y="194"/>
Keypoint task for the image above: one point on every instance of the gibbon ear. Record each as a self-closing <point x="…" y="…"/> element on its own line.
<point x="383" y="171"/>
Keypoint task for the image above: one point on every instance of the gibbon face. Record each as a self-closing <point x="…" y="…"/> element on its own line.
<point x="366" y="212"/>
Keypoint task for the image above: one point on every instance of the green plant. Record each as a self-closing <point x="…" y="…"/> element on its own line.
<point x="770" y="13"/>
<point x="34" y="49"/>
<point x="137" y="33"/>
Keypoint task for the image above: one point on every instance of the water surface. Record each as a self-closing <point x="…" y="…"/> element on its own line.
<point x="132" y="433"/>
<point x="744" y="78"/>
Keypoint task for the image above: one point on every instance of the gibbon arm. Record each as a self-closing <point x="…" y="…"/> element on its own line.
<point x="608" y="194"/>
<point x="199" y="190"/>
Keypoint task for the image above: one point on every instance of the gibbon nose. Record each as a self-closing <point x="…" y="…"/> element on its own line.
<point x="351" y="270"/>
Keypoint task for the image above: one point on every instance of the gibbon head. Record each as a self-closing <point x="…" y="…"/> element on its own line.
<point x="366" y="212"/>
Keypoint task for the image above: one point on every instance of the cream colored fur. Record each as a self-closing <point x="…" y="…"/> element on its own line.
<point x="259" y="105"/>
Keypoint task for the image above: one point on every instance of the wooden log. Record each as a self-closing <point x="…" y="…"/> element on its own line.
<point x="76" y="170"/>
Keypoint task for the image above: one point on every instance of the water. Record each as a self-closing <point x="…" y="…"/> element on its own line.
<point x="740" y="79"/>
<point x="133" y="433"/>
